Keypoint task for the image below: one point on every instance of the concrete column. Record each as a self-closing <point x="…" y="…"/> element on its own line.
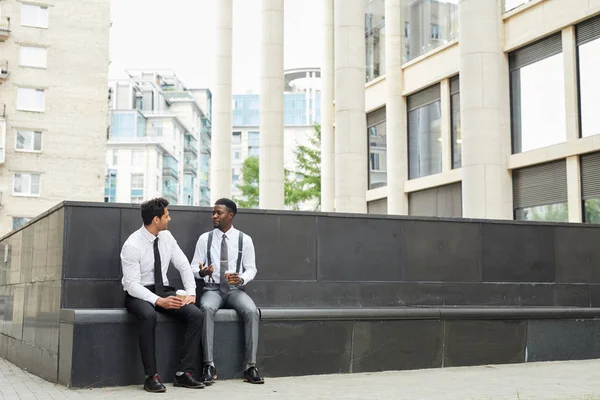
<point x="271" y="174"/>
<point x="327" y="112"/>
<point x="220" y="163"/>
<point x="569" y="43"/>
<point x="486" y="180"/>
<point x="574" y="189"/>
<point x="396" y="124"/>
<point x="351" y="150"/>
<point x="446" y="128"/>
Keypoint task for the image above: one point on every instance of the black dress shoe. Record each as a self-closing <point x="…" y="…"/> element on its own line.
<point x="251" y="376"/>
<point x="209" y="375"/>
<point x="187" y="380"/>
<point x="154" y="385"/>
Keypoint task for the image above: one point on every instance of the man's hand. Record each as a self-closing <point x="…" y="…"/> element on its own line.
<point x="190" y="300"/>
<point x="171" y="302"/>
<point x="204" y="271"/>
<point x="234" y="279"/>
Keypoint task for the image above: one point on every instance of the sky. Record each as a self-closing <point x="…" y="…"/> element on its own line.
<point x="179" y="35"/>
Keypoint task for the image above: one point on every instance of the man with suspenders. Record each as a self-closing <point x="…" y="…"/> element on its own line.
<point x="224" y="259"/>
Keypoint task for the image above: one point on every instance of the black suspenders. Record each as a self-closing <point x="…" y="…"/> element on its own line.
<point x="239" y="257"/>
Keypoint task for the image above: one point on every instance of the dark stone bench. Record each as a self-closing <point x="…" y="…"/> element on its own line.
<point x="99" y="347"/>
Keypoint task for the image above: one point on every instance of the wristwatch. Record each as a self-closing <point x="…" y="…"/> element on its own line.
<point x="241" y="282"/>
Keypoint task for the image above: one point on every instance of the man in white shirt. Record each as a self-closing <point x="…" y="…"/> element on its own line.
<point x="231" y="251"/>
<point x="145" y="259"/>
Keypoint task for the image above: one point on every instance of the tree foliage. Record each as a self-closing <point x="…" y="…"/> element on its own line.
<point x="300" y="186"/>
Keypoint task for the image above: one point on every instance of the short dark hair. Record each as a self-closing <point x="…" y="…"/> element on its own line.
<point x="153" y="208"/>
<point x="230" y="204"/>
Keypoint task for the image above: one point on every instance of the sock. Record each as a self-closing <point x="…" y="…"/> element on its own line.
<point x="178" y="373"/>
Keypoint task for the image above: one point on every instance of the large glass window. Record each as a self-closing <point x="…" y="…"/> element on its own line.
<point x="377" y="148"/>
<point x="110" y="186"/>
<point x="253" y="144"/>
<point x="512" y="4"/>
<point x="540" y="192"/>
<point x="428" y="25"/>
<point x="456" y="134"/>
<point x="137" y="188"/>
<point x="375" y="38"/>
<point x="590" y="187"/>
<point x="19" y="222"/>
<point x="424" y="133"/>
<point x="588" y="50"/>
<point x="538" y="95"/>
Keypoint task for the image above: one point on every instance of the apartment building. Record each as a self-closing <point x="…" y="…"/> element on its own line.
<point x="159" y="140"/>
<point x="53" y="71"/>
<point x="302" y="110"/>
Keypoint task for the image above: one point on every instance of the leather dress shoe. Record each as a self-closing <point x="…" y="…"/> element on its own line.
<point x="251" y="376"/>
<point x="154" y="385"/>
<point x="187" y="380"/>
<point x="209" y="375"/>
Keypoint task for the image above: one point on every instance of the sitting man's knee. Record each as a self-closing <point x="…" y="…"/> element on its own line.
<point x="208" y="309"/>
<point x="148" y="316"/>
<point x="250" y="312"/>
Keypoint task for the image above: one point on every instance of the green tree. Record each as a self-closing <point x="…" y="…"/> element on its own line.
<point x="249" y="184"/>
<point x="301" y="185"/>
<point x="307" y="183"/>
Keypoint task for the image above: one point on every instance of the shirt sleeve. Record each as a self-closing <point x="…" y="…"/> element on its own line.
<point x="130" y="263"/>
<point x="181" y="263"/>
<point x="248" y="260"/>
<point x="199" y="255"/>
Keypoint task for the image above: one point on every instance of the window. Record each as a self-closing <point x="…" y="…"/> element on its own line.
<point x="435" y="32"/>
<point x="253" y="144"/>
<point x="512" y="4"/>
<point x="110" y="186"/>
<point x="428" y="24"/>
<point x="424" y="133"/>
<point x="540" y="192"/>
<point x="18" y="222"/>
<point x="590" y="187"/>
<point x="538" y="95"/>
<point x="375" y="38"/>
<point x="441" y="201"/>
<point x="25" y="184"/>
<point x="138" y="158"/>
<point x="29" y="141"/>
<point x="236" y="154"/>
<point x="455" y="116"/>
<point x="30" y="99"/>
<point x="588" y="50"/>
<point x="34" y="15"/>
<point x="236" y="138"/>
<point x="137" y="188"/>
<point x="377" y="148"/>
<point x="33" y="56"/>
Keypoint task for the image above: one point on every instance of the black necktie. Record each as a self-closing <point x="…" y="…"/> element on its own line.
<point x="158" y="280"/>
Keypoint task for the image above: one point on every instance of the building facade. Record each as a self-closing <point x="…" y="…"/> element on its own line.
<point x="302" y="110"/>
<point x="53" y="73"/>
<point x="497" y="103"/>
<point x="159" y="140"/>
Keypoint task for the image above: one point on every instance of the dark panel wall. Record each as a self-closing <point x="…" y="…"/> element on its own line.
<point x="315" y="259"/>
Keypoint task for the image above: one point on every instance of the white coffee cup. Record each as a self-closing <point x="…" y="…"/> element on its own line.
<point x="182" y="294"/>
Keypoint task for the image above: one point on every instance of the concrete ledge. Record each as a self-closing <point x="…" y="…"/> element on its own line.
<point x="120" y="315"/>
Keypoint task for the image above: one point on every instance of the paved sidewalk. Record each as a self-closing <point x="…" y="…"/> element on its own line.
<point x="540" y="381"/>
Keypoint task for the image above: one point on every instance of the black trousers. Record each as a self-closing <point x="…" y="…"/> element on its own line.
<point x="145" y="313"/>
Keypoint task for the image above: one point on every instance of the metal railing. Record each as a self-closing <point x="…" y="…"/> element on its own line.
<point x="5" y="24"/>
<point x="3" y="68"/>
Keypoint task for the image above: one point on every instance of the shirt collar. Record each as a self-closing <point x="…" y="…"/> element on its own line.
<point x="219" y="233"/>
<point x="147" y="235"/>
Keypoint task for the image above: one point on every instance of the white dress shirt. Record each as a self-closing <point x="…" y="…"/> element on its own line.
<point x="137" y="261"/>
<point x="248" y="264"/>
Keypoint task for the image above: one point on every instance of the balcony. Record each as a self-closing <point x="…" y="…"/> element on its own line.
<point x="190" y="165"/>
<point x="3" y="70"/>
<point x="169" y="191"/>
<point x="4" y="28"/>
<point x="190" y="145"/>
<point x="170" y="168"/>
